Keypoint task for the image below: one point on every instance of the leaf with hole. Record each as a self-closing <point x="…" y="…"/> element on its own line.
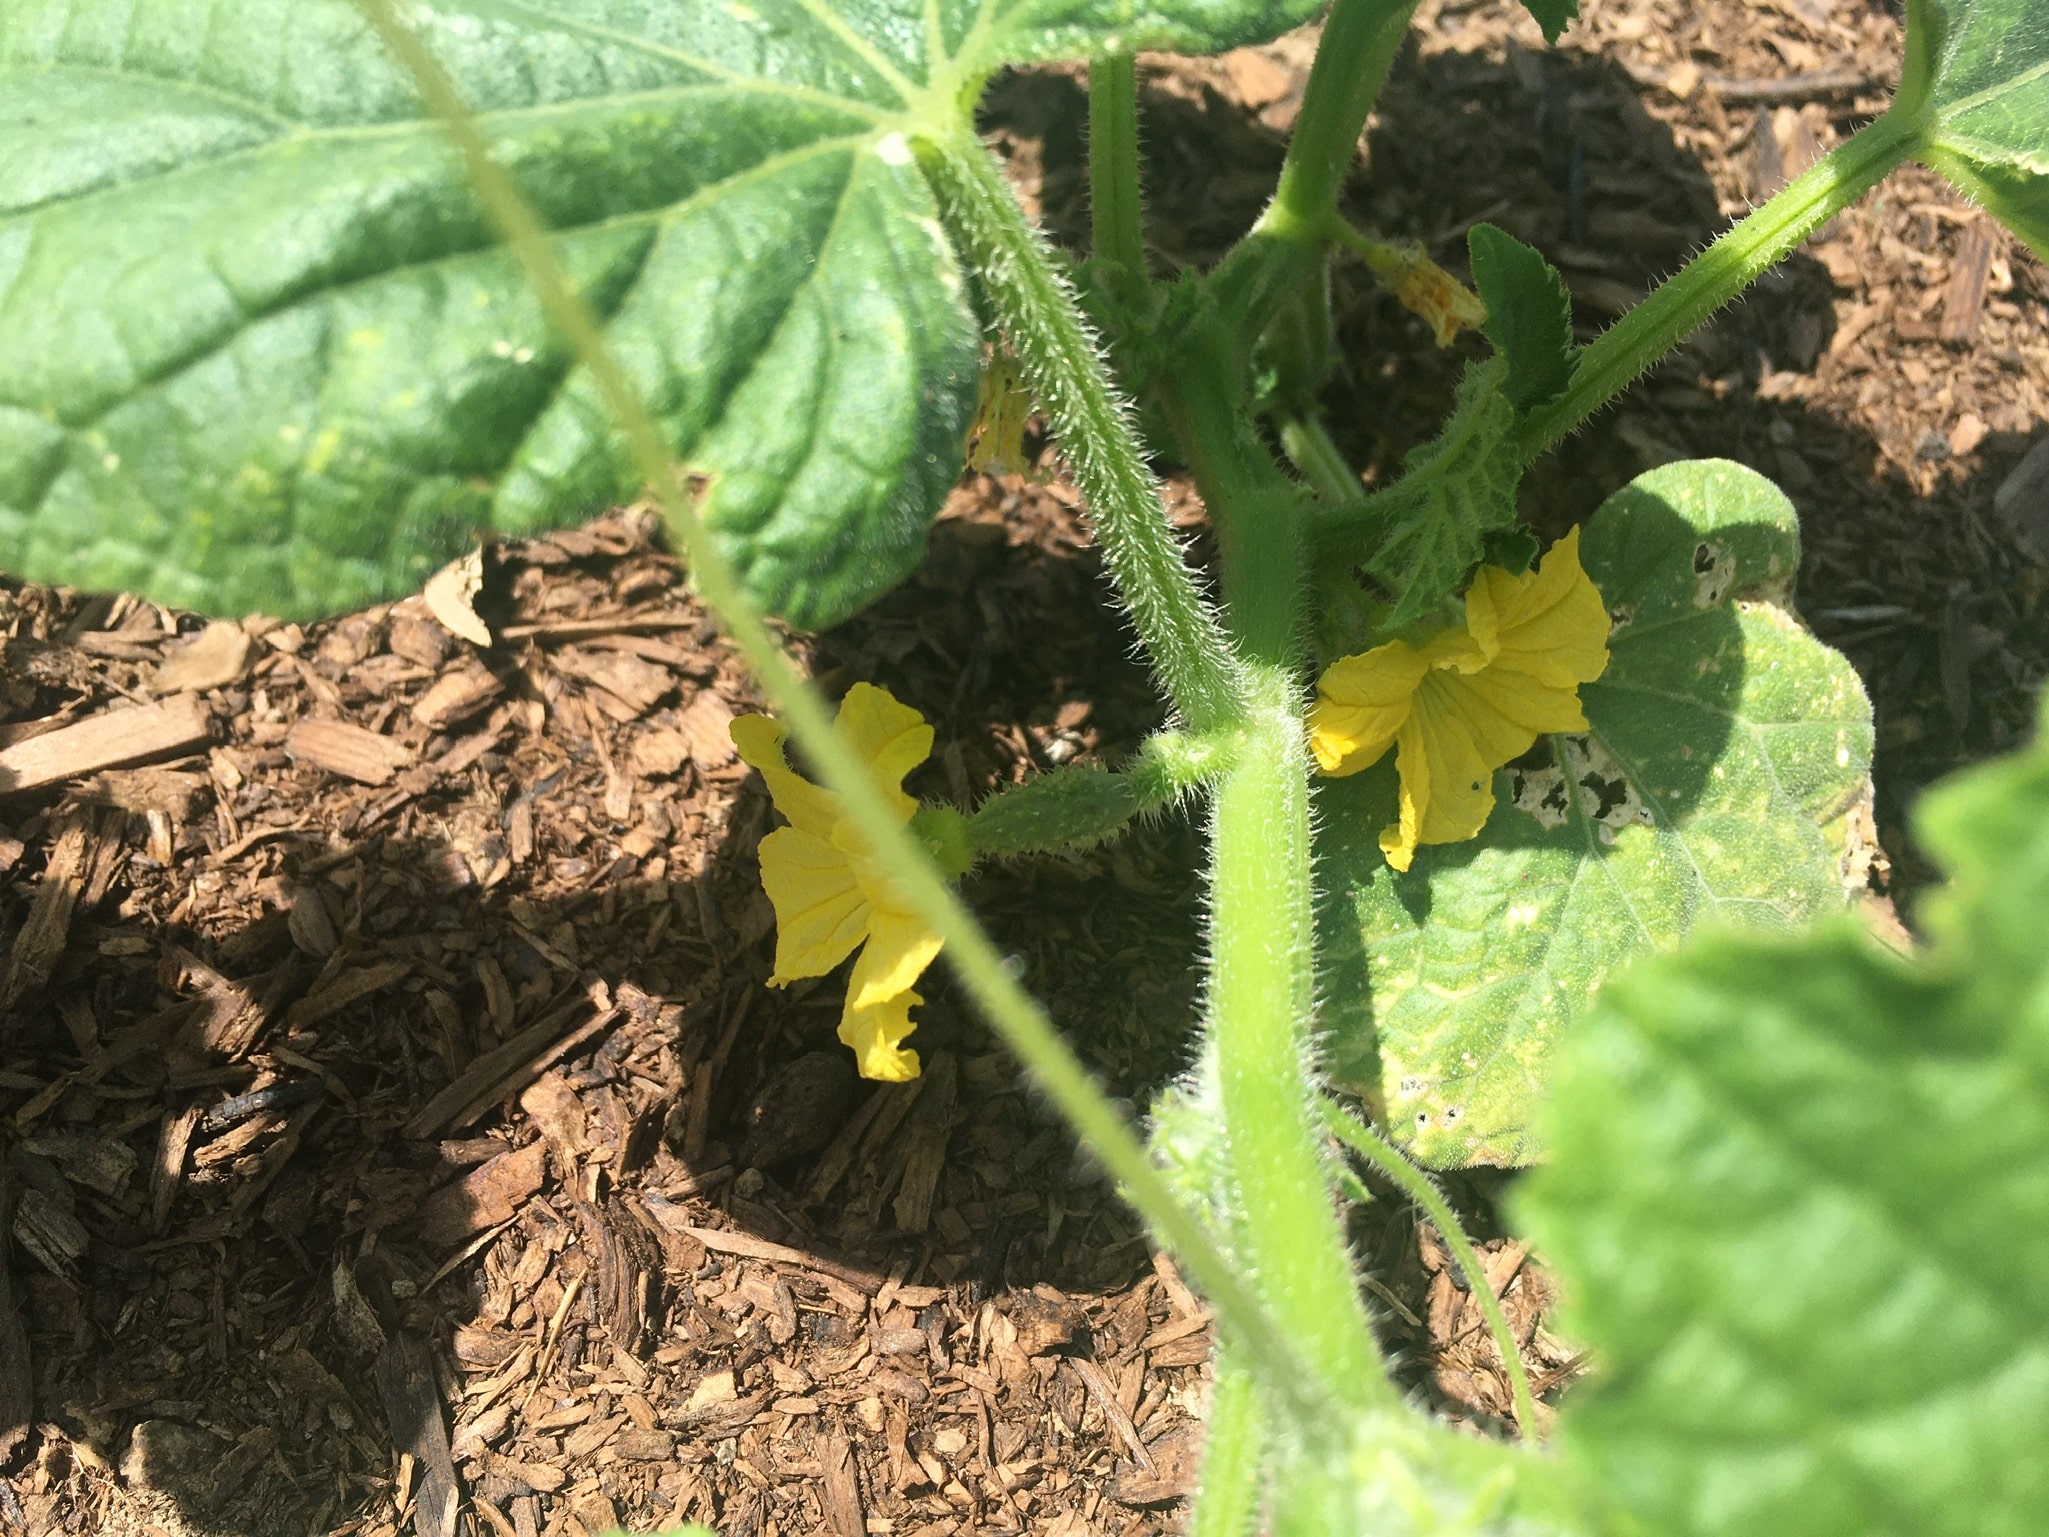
<point x="1795" y="1193"/>
<point x="264" y="351"/>
<point x="1724" y="776"/>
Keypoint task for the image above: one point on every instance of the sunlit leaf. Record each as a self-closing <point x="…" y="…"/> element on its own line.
<point x="1728" y="748"/>
<point x="1796" y="1194"/>
<point x="263" y="351"/>
<point x="1978" y="78"/>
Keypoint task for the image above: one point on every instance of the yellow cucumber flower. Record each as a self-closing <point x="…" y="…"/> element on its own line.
<point x="1462" y="703"/>
<point x="830" y="893"/>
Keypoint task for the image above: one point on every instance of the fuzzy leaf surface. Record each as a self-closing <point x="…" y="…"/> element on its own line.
<point x="1978" y="76"/>
<point x="1796" y="1193"/>
<point x="1529" y="314"/>
<point x="1728" y="748"/>
<point x="265" y="352"/>
<point x="1453" y="492"/>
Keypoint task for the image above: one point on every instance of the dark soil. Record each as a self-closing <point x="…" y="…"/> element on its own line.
<point x="408" y="1121"/>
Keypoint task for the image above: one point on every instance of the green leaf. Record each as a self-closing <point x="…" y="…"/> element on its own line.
<point x="1554" y="16"/>
<point x="263" y="351"/>
<point x="1453" y="491"/>
<point x="1977" y="77"/>
<point x="1796" y="1194"/>
<point x="1529" y="314"/>
<point x="1727" y="753"/>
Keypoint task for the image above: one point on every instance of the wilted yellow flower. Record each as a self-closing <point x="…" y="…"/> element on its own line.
<point x="1003" y="408"/>
<point x="830" y="893"/>
<point x="1425" y="289"/>
<point x="1465" y="701"/>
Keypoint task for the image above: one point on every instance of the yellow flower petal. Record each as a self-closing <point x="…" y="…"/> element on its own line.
<point x="1550" y="624"/>
<point x="874" y="1034"/>
<point x="760" y="741"/>
<point x="1448" y="752"/>
<point x="1361" y="702"/>
<point x="1475" y="698"/>
<point x="821" y="912"/>
<point x="891" y="738"/>
<point x="899" y="949"/>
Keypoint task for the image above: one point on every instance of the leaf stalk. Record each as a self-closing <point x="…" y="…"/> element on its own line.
<point x="1738" y="258"/>
<point x="1420" y="1188"/>
<point x="1065" y="371"/>
<point x="1116" y="197"/>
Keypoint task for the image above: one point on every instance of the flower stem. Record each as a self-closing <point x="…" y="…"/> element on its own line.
<point x="1742" y="254"/>
<point x="1065" y="371"/>
<point x="1116" y="197"/>
<point x="969" y="950"/>
<point x="1082" y="805"/>
<point x="1420" y="1188"/>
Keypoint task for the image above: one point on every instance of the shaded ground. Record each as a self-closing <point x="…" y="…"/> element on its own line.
<point x="354" y="1088"/>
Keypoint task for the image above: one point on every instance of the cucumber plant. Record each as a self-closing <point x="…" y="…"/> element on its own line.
<point x="302" y="296"/>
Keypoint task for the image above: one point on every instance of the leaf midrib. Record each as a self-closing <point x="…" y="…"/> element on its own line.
<point x="761" y="171"/>
<point x="368" y="132"/>
<point x="1942" y="115"/>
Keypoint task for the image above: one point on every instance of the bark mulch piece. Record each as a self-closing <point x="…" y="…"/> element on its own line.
<point x="396" y="1114"/>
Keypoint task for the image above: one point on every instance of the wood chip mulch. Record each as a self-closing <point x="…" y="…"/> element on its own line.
<point x="398" y="1133"/>
<point x="400" y="1136"/>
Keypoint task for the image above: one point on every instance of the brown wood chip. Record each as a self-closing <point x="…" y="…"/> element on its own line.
<point x="81" y="867"/>
<point x="747" y="1246"/>
<point x="485" y="1197"/>
<point x="341" y="747"/>
<point x="506" y="1069"/>
<point x="412" y="1408"/>
<point x="706" y="727"/>
<point x="1964" y="299"/>
<point x="840" y="1489"/>
<point x="638" y="685"/>
<point x="344" y="990"/>
<point x="637" y="1445"/>
<point x="930" y="1127"/>
<point x="456" y="695"/>
<point x="112" y="739"/>
<point x="217" y="656"/>
<point x="17" y="1379"/>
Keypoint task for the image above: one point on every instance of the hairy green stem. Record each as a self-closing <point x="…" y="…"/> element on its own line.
<point x="1066" y="374"/>
<point x="1116" y="199"/>
<point x="973" y="956"/>
<point x="1420" y="1188"/>
<point x="1233" y="1453"/>
<point x="1262" y="935"/>
<point x="1741" y="255"/>
<point x="1260" y="1004"/>
<point x="1307" y="443"/>
<point x="1360" y="39"/>
<point x="1286" y="249"/>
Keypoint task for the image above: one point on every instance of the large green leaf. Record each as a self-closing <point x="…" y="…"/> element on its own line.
<point x="1977" y="79"/>
<point x="1727" y="746"/>
<point x="262" y="350"/>
<point x="1798" y="1193"/>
